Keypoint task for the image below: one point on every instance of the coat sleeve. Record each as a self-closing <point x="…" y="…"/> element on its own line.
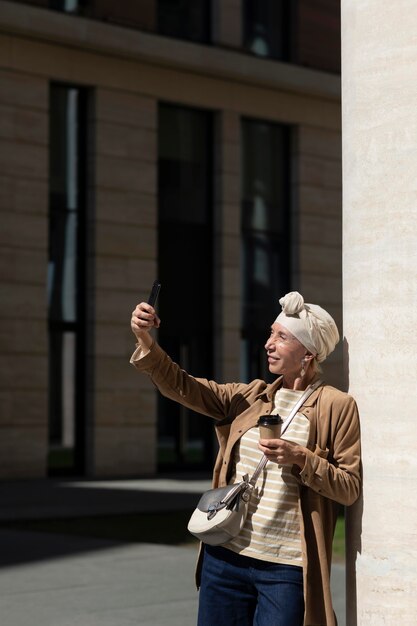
<point x="198" y="394"/>
<point x="334" y="470"/>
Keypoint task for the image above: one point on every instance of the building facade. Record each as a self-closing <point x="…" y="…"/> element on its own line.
<point x="197" y="142"/>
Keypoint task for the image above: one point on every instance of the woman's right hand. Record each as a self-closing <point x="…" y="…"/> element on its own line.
<point x="144" y="318"/>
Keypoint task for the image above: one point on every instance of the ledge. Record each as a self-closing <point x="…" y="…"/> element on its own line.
<point x="106" y="39"/>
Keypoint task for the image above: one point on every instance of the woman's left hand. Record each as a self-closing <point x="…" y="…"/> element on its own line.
<point x="283" y="452"/>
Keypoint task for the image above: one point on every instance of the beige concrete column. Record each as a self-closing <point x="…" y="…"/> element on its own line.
<point x="379" y="97"/>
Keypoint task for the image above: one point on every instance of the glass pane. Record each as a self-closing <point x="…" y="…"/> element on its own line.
<point x="184" y="165"/>
<point x="64" y="149"/>
<point x="64" y="199"/>
<point x="186" y="273"/>
<point x="67" y="165"/>
<point x="62" y="266"/>
<point x="185" y="19"/>
<point x="264" y="270"/>
<point x="266" y="28"/>
<point x="69" y="6"/>
<point x="253" y="362"/>
<point x="265" y="236"/>
<point x="62" y="389"/>
<point x="264" y="180"/>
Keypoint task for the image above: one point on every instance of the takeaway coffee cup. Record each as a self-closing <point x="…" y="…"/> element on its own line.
<point x="269" y="426"/>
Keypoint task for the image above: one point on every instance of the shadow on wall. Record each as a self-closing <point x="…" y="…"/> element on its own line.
<point x="353" y="548"/>
<point x="353" y="526"/>
<point x="346" y="377"/>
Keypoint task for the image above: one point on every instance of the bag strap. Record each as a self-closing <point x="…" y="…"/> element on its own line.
<point x="286" y="423"/>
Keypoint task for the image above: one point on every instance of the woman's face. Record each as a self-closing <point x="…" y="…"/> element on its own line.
<point x="285" y="353"/>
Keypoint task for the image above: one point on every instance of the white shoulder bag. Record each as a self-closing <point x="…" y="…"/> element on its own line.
<point x="221" y="513"/>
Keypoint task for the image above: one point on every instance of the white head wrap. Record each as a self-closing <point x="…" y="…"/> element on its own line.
<point x="310" y="324"/>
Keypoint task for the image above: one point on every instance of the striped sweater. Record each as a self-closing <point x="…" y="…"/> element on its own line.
<point x="272" y="528"/>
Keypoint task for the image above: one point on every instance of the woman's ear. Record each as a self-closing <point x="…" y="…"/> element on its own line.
<point x="308" y="357"/>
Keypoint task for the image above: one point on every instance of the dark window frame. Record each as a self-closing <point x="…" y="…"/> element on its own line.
<point x="57" y="326"/>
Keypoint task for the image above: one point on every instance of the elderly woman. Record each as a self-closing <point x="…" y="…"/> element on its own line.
<point x="276" y="571"/>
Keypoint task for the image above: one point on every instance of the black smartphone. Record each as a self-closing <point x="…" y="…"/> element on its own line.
<point x="153" y="296"/>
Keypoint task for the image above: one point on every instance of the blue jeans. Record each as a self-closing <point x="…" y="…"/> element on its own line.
<point x="238" y="590"/>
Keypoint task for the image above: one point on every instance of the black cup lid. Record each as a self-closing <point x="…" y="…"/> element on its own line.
<point x="269" y="420"/>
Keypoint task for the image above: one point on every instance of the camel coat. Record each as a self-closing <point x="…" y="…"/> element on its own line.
<point x="330" y="477"/>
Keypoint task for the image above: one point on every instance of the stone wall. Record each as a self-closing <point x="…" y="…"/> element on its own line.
<point x="227" y="246"/>
<point x="125" y="268"/>
<point x="23" y="266"/>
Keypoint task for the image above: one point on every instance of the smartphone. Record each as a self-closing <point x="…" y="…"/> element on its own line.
<point x="153" y="296"/>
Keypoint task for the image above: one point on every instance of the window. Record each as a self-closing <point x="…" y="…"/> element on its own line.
<point x="185" y="19"/>
<point x="186" y="273"/>
<point x="66" y="277"/>
<point x="267" y="27"/>
<point x="265" y="236"/>
<point x="76" y="7"/>
<point x="69" y="6"/>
